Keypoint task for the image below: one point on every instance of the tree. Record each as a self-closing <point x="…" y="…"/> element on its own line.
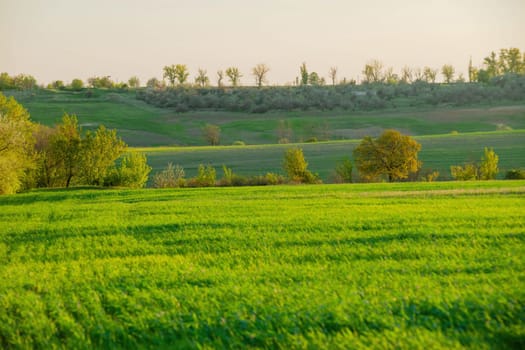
<point x="169" y="73"/>
<point x="492" y="65"/>
<point x="295" y="166"/>
<point x="510" y="61"/>
<point x="314" y="79"/>
<point x="390" y="77"/>
<point x="374" y="72"/>
<point x="99" y="151"/>
<point x="304" y="74"/>
<point x="181" y="73"/>
<point x="448" y="73"/>
<point x="154" y="83"/>
<point x="259" y="72"/>
<point x="6" y="82"/>
<point x="171" y="177"/>
<point x="77" y="84"/>
<point x="332" y="73"/>
<point x="202" y="79"/>
<point x="234" y="75"/>
<point x="134" y="82"/>
<point x="488" y="168"/>
<point x="466" y="172"/>
<point x="212" y="134"/>
<point x="343" y="171"/>
<point x="16" y="144"/>
<point x="430" y="74"/>
<point x="132" y="171"/>
<point x="406" y="75"/>
<point x="66" y="148"/>
<point x="220" y="76"/>
<point x="472" y="72"/>
<point x="392" y="154"/>
<point x="24" y="82"/>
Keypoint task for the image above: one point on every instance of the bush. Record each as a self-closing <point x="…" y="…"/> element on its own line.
<point x="343" y="171"/>
<point x="296" y="167"/>
<point x="515" y="174"/>
<point x="466" y="172"/>
<point x="132" y="171"/>
<point x="171" y="177"/>
<point x="239" y="143"/>
<point x="206" y="176"/>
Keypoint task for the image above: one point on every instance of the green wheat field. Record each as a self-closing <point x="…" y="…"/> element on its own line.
<point x="407" y="265"/>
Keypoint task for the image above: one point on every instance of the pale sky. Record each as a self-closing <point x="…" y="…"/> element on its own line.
<point x="66" y="39"/>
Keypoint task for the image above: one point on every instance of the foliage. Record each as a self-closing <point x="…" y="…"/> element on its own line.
<point x="448" y="73"/>
<point x="132" y="171"/>
<point x="77" y="85"/>
<point x="212" y="134"/>
<point x="467" y="172"/>
<point x="99" y="152"/>
<point x="16" y="144"/>
<point x="206" y="177"/>
<point x="409" y="266"/>
<point x="202" y="79"/>
<point x="488" y="168"/>
<point x="234" y="75"/>
<point x="515" y="174"/>
<point x="392" y="154"/>
<point x="343" y="171"/>
<point x="101" y="82"/>
<point x="134" y="82"/>
<point x="295" y="166"/>
<point x="171" y="177"/>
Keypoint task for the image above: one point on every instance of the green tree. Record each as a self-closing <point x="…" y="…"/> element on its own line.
<point x="234" y="75"/>
<point x="202" y="79"/>
<point x="6" y="81"/>
<point x="492" y="67"/>
<point x="132" y="171"/>
<point x="181" y="73"/>
<point x="206" y="176"/>
<point x="314" y="79"/>
<point x="77" y="84"/>
<point x="343" y="171"/>
<point x="472" y="72"/>
<point x="170" y="74"/>
<point x="296" y="167"/>
<point x="66" y="148"/>
<point x="305" y="77"/>
<point x="212" y="134"/>
<point x="373" y="72"/>
<point x="16" y="144"/>
<point x="392" y="154"/>
<point x="448" y="72"/>
<point x="488" y="168"/>
<point x="259" y="72"/>
<point x="134" y="82"/>
<point x="99" y="151"/>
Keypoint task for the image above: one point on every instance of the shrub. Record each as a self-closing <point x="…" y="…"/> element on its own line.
<point x="488" y="168"/>
<point x="206" y="176"/>
<point x="515" y="174"/>
<point x="430" y="176"/>
<point x="343" y="171"/>
<point x="132" y="171"/>
<point x="296" y="167"/>
<point x="239" y="143"/>
<point x="171" y="177"/>
<point x="464" y="173"/>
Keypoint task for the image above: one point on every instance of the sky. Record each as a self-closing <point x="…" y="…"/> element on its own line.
<point x="67" y="39"/>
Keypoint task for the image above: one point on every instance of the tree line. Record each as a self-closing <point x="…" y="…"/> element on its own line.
<point x="33" y="155"/>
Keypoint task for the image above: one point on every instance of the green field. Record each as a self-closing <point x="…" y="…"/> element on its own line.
<point x="438" y="152"/>
<point x="406" y="265"/>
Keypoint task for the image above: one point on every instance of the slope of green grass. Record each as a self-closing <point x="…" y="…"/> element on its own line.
<point x="438" y="152"/>
<point x="143" y="125"/>
<point x="377" y="266"/>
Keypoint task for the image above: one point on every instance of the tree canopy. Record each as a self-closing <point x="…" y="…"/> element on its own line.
<point x="392" y="154"/>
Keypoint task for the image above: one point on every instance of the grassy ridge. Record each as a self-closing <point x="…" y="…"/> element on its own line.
<point x="380" y="266"/>
<point x="438" y="152"/>
<point x="141" y="124"/>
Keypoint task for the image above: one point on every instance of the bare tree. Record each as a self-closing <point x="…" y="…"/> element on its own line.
<point x="259" y="72"/>
<point x="406" y="75"/>
<point x="374" y="72"/>
<point x="202" y="78"/>
<point x="220" y="76"/>
<point x="333" y="74"/>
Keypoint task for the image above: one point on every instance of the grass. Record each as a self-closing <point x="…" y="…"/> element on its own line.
<point x="143" y="125"/>
<point x="408" y="265"/>
<point x="438" y="152"/>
